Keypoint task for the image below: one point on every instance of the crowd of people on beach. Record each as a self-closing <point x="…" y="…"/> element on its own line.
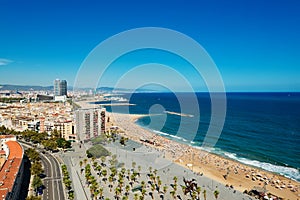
<point x="189" y="156"/>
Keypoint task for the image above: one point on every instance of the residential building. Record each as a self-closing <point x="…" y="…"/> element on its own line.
<point x="11" y="167"/>
<point x="89" y="122"/>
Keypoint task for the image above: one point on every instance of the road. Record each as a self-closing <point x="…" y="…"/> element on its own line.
<point x="53" y="181"/>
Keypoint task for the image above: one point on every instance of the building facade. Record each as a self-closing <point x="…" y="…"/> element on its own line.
<point x="60" y="87"/>
<point x="89" y="122"/>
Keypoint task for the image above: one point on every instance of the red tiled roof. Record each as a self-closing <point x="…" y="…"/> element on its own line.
<point x="15" y="149"/>
<point x="10" y="168"/>
<point x="6" y="136"/>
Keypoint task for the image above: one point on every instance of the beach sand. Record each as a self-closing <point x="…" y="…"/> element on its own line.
<point x="241" y="177"/>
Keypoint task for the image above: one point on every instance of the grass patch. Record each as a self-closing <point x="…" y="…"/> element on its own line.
<point x="97" y="151"/>
<point x="101" y="139"/>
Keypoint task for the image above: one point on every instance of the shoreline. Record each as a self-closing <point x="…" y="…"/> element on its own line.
<point x="224" y="170"/>
<point x="239" y="176"/>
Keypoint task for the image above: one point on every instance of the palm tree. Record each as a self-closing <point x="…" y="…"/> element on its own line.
<point x="198" y="190"/>
<point x="71" y="195"/>
<point x="110" y="180"/>
<point x="204" y="194"/>
<point x="85" y="161"/>
<point x="216" y="193"/>
<point x="104" y="173"/>
<point x="128" y="174"/>
<point x="103" y="159"/>
<point x="183" y="187"/>
<point x="117" y="192"/>
<point x="143" y="184"/>
<point x="173" y="193"/>
<point x="98" y="168"/>
<point x="143" y="193"/>
<point x="139" y="168"/>
<point x="80" y="163"/>
<point x="194" y="195"/>
<point x="155" y="172"/>
<point x="95" y="164"/>
<point x="133" y="164"/>
<point x="136" y="196"/>
<point x="175" y="180"/>
<point x="152" y="187"/>
<point x="96" y="193"/>
<point x="127" y="188"/>
<point x="123" y="171"/>
<point x="158" y="184"/>
<point x="165" y="188"/>
<point x="101" y="192"/>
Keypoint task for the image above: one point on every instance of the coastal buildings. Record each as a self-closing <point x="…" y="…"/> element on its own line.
<point x="39" y="117"/>
<point x="89" y="122"/>
<point x="11" y="167"/>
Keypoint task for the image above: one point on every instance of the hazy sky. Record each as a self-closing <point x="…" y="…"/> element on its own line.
<point x="255" y="44"/>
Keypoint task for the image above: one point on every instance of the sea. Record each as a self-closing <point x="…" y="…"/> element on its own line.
<point x="260" y="129"/>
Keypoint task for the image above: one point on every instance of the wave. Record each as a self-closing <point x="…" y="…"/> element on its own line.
<point x="282" y="170"/>
<point x="286" y="171"/>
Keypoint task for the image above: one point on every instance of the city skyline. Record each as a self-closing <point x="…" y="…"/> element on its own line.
<point x="254" y="44"/>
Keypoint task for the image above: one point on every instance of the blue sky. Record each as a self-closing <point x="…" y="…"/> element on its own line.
<point x="255" y="44"/>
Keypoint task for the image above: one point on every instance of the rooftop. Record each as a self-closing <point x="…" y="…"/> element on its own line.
<point x="10" y="169"/>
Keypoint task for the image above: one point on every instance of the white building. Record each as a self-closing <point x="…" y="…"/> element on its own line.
<point x="89" y="122"/>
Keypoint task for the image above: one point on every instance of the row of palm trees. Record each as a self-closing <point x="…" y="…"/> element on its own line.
<point x="121" y="181"/>
<point x="67" y="182"/>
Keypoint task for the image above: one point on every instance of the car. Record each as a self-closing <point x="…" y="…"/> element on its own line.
<point x="42" y="175"/>
<point x="40" y="190"/>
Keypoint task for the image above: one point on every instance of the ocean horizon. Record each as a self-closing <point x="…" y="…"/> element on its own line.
<point x="261" y="129"/>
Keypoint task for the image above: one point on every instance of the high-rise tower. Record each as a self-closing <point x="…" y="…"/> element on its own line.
<point x="63" y="87"/>
<point x="56" y="87"/>
<point x="60" y="87"/>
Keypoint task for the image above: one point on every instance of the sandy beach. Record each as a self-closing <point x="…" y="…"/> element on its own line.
<point x="228" y="172"/>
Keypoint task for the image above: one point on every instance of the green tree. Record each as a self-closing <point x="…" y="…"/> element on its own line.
<point x="175" y="179"/>
<point x="36" y="182"/>
<point x="36" y="168"/>
<point x="32" y="154"/>
<point x="204" y="194"/>
<point x="216" y="194"/>
<point x="165" y="188"/>
<point x="34" y="198"/>
<point x="62" y="143"/>
<point x="103" y="159"/>
<point x="55" y="134"/>
<point x="100" y="193"/>
<point x="136" y="196"/>
<point x="71" y="195"/>
<point x="50" y="144"/>
<point x="173" y="193"/>
<point x="198" y="190"/>
<point x="133" y="164"/>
